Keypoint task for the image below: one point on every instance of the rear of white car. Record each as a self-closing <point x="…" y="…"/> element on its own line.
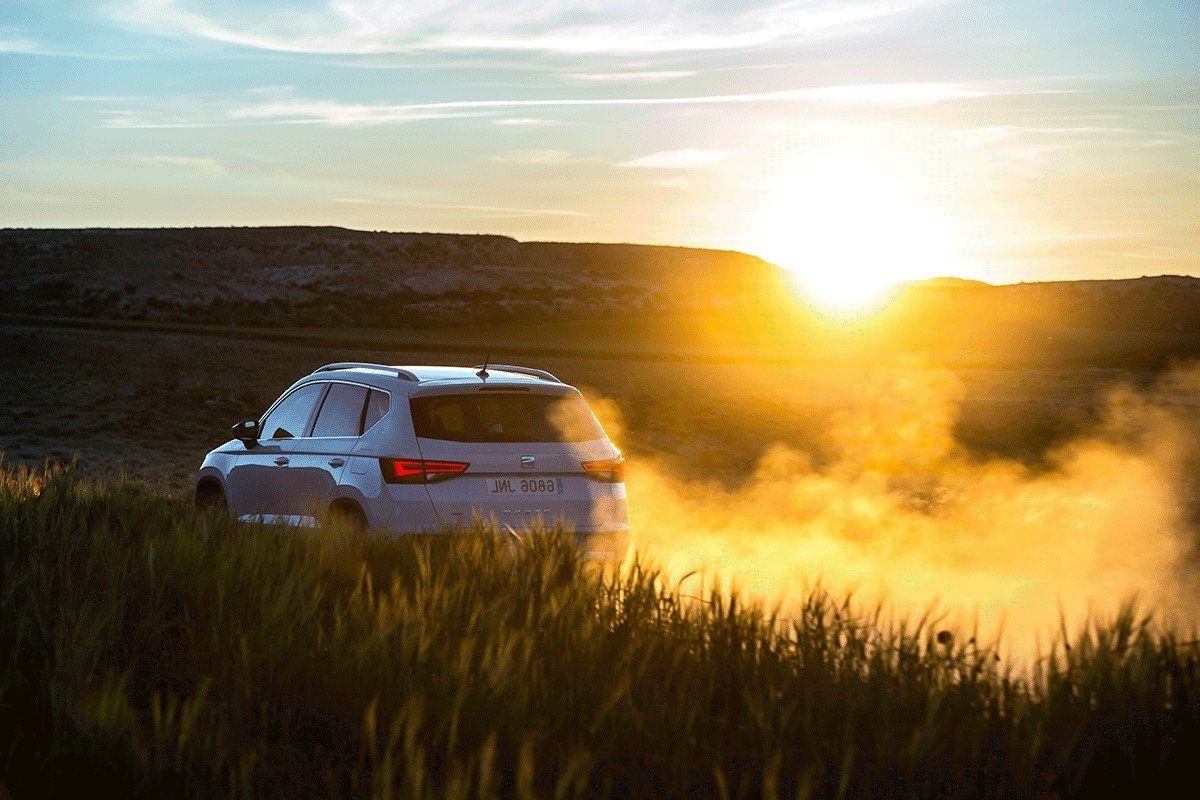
<point x="431" y="448"/>
<point x="520" y="455"/>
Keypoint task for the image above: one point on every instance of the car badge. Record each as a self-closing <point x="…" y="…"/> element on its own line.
<point x="527" y="462"/>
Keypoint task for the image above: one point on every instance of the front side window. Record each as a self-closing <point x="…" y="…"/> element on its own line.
<point x="341" y="413"/>
<point x="504" y="418"/>
<point x="289" y="419"/>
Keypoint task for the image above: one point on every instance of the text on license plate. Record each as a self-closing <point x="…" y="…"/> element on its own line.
<point x="519" y="486"/>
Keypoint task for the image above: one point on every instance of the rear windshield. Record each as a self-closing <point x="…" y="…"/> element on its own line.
<point x="504" y="418"/>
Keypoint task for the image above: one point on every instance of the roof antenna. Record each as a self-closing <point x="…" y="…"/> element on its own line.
<point x="483" y="373"/>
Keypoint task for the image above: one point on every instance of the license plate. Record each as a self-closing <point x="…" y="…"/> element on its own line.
<point x="518" y="487"/>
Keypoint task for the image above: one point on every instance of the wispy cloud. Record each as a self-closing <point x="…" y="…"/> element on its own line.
<point x="1150" y="253"/>
<point x="687" y="158"/>
<point x="13" y="40"/>
<point x="534" y="157"/>
<point x="673" y="182"/>
<point x="527" y="122"/>
<point x="898" y="95"/>
<point x="567" y="26"/>
<point x="337" y="113"/>
<point x="275" y="105"/>
<point x="641" y="76"/>
<point x="14" y="43"/>
<point x="208" y="166"/>
<point x="474" y="209"/>
<point x="1035" y="142"/>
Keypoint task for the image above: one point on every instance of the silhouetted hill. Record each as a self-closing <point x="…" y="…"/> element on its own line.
<point x="572" y="294"/>
<point x="298" y="276"/>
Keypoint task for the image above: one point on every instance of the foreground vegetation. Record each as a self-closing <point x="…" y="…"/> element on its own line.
<point x="146" y="653"/>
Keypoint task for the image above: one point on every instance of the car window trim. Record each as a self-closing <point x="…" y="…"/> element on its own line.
<point x="362" y="423"/>
<point x="311" y="414"/>
<point x="361" y="417"/>
<point x="329" y="385"/>
<point x="321" y="402"/>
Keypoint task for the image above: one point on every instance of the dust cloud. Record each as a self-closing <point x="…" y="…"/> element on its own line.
<point x="904" y="514"/>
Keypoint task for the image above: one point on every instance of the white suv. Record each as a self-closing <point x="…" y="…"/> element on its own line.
<point x="411" y="449"/>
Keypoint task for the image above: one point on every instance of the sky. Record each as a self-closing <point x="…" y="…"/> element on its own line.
<point x="850" y="140"/>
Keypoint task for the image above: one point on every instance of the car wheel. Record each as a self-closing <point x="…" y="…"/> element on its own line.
<point x="348" y="515"/>
<point x="211" y="507"/>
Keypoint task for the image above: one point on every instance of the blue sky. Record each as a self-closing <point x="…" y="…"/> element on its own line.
<point x="1008" y="141"/>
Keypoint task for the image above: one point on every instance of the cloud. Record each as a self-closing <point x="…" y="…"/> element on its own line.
<point x="896" y="95"/>
<point x="491" y="212"/>
<point x="337" y="113"/>
<point x="646" y="76"/>
<point x="674" y="182"/>
<point x="279" y="105"/>
<point x="532" y="157"/>
<point x="9" y="44"/>
<point x="567" y="26"/>
<point x="527" y="122"/>
<point x="1160" y="142"/>
<point x="1033" y="143"/>
<point x="209" y="166"/>
<point x="13" y="40"/>
<point x="687" y="158"/>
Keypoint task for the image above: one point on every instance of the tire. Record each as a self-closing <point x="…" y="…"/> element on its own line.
<point x="211" y="506"/>
<point x="349" y="515"/>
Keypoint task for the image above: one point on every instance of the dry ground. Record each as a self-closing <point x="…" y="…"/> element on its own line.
<point x="152" y="404"/>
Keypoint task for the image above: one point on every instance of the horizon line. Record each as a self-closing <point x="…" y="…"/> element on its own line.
<point x="898" y="284"/>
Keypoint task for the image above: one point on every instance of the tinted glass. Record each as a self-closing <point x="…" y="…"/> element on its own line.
<point x="290" y="417"/>
<point x="377" y="406"/>
<point x="341" y="413"/>
<point x="504" y="418"/>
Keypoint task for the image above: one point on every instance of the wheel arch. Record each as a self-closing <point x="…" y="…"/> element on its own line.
<point x="351" y="506"/>
<point x="208" y="485"/>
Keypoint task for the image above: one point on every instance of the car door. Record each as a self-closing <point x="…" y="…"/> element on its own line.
<point x="256" y="484"/>
<point x="318" y="460"/>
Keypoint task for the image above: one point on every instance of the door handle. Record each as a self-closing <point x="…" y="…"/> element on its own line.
<point x="282" y="461"/>
<point x="337" y="462"/>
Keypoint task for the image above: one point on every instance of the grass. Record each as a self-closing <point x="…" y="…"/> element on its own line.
<point x="142" y="655"/>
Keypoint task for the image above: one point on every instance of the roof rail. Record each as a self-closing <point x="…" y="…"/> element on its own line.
<point x="536" y="373"/>
<point x="405" y="374"/>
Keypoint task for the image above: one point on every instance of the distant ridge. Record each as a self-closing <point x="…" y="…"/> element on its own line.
<point x="328" y="276"/>
<point x="557" y="295"/>
<point x="949" y="282"/>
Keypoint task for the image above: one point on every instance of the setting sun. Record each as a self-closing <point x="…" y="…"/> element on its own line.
<point x="851" y="228"/>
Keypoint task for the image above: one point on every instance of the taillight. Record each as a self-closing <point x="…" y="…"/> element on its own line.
<point x="610" y="470"/>
<point x="419" y="470"/>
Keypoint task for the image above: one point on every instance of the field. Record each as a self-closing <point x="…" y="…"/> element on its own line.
<point x="155" y="659"/>
<point x="151" y="405"/>
<point x="142" y="656"/>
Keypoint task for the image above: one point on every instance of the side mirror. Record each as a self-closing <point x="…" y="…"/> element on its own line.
<point x="247" y="432"/>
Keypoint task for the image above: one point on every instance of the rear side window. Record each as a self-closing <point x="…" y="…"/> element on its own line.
<point x="291" y="416"/>
<point x="504" y="418"/>
<point x="377" y="406"/>
<point x="341" y="413"/>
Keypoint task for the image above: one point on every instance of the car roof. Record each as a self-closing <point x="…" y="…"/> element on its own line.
<point x="407" y="378"/>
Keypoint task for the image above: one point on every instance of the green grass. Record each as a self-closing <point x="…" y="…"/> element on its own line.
<point x="141" y="655"/>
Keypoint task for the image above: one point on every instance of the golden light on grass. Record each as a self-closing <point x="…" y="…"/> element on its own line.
<point x="853" y="226"/>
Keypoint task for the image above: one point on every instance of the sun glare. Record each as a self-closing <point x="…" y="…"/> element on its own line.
<point x="851" y="230"/>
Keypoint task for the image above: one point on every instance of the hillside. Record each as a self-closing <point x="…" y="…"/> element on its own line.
<point x="335" y="277"/>
<point x="620" y="296"/>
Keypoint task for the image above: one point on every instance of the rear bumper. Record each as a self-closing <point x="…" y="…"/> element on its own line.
<point x="608" y="547"/>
